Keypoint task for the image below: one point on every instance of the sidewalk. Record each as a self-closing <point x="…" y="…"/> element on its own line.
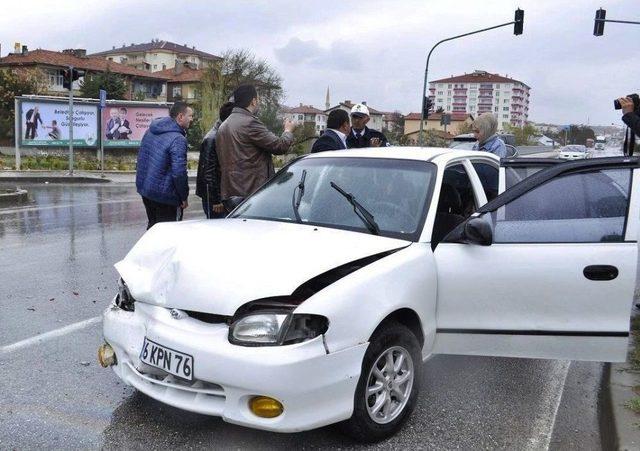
<point x="44" y="176"/>
<point x="625" y="424"/>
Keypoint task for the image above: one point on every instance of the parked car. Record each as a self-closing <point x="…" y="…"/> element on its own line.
<point x="573" y="152"/>
<point x="320" y="297"/>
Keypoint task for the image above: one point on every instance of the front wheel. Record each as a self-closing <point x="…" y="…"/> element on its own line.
<point x="388" y="386"/>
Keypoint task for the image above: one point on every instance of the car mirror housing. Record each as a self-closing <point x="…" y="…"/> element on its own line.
<point x="478" y="231"/>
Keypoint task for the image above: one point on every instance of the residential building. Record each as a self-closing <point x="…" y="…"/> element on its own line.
<point x="307" y="114"/>
<point x="412" y="124"/>
<point x="52" y="64"/>
<point x="483" y="92"/>
<point x="376" y="116"/>
<point x="183" y="83"/>
<point x="158" y="55"/>
<point x="391" y="121"/>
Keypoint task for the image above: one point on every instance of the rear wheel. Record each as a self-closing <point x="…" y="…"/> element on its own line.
<point x="389" y="383"/>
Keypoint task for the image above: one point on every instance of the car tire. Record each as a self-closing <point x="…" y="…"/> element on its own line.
<point x="367" y="425"/>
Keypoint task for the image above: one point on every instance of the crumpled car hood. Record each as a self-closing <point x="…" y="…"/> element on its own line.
<point x="216" y="266"/>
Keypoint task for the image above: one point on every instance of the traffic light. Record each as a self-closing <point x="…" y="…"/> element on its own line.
<point x="519" y="22"/>
<point x="427" y="106"/>
<point x="69" y="76"/>
<point x="598" y="26"/>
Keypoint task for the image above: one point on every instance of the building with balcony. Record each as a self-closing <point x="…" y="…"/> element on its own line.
<point x="158" y="55"/>
<point x="139" y="84"/>
<point x="483" y="92"/>
<point x="307" y="114"/>
<point x="183" y="83"/>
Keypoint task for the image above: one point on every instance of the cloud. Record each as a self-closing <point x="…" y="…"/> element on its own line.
<point x="336" y="57"/>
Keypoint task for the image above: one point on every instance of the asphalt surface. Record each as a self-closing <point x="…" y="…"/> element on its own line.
<point x="56" y="270"/>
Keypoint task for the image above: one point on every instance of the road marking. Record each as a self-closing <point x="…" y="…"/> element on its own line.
<point x="544" y="425"/>
<point x="41" y="338"/>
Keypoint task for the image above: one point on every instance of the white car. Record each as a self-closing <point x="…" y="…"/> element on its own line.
<point x="319" y="298"/>
<point x="573" y="152"/>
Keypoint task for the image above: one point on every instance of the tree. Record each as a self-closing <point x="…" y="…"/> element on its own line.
<point x="13" y="84"/>
<point x="524" y="135"/>
<point x="114" y="84"/>
<point x="440" y="110"/>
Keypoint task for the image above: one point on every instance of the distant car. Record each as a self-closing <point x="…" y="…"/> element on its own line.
<point x="319" y="298"/>
<point x="573" y="152"/>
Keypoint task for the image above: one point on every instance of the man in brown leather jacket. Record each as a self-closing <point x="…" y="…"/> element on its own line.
<point x="245" y="146"/>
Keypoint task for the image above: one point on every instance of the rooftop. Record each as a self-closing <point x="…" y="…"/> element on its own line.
<point x="157" y="44"/>
<point x="478" y="76"/>
<point x="305" y="109"/>
<point x="184" y="75"/>
<point x="64" y="60"/>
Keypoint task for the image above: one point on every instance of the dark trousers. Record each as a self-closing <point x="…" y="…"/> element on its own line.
<point x="31" y="131"/>
<point x="209" y="213"/>
<point x="157" y="212"/>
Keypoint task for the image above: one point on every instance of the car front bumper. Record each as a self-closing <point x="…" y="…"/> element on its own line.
<point x="315" y="388"/>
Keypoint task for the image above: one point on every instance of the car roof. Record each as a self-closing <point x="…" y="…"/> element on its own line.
<point x="404" y="153"/>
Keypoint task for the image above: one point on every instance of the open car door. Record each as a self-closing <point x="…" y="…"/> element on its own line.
<point x="547" y="269"/>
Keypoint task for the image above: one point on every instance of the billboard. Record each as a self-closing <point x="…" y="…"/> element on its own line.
<point x="46" y="123"/>
<point x="125" y="125"/>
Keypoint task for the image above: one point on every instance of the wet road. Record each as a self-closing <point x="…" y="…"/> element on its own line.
<point x="56" y="270"/>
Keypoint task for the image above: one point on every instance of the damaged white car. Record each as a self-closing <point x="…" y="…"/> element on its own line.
<point x="319" y="298"/>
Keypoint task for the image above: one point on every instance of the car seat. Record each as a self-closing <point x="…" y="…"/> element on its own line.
<point x="447" y="215"/>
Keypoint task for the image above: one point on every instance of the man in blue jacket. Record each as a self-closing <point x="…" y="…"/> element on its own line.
<point x="161" y="173"/>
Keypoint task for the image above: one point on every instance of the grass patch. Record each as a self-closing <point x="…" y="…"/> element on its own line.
<point x="61" y="163"/>
<point x="634" y="355"/>
<point x="633" y="405"/>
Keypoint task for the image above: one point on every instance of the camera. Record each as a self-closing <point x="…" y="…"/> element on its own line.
<point x="636" y="102"/>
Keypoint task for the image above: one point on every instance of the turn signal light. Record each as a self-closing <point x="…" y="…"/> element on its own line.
<point x="265" y="407"/>
<point x="106" y="355"/>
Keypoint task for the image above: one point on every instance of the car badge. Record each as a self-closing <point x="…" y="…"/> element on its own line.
<point x="176" y="314"/>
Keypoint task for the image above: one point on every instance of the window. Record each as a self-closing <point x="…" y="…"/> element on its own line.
<point x="495" y="109"/>
<point x="449" y="86"/>
<point x="301" y="117"/>
<point x="472" y="108"/>
<point x="55" y="77"/>
<point x="440" y="93"/>
<point x="456" y="202"/>
<point x="440" y="101"/>
<point x="155" y="66"/>
<point x="504" y="108"/>
<point x="177" y="91"/>
<point x="505" y="116"/>
<point x="497" y="93"/>
<point x="488" y="176"/>
<point x="498" y="86"/>
<point x="582" y="207"/>
<point x="449" y="92"/>
<point x="505" y="101"/>
<point x="164" y="66"/>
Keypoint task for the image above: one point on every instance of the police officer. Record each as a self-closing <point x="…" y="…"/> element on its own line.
<point x="361" y="135"/>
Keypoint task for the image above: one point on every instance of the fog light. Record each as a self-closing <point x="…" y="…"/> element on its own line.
<point x="106" y="355"/>
<point x="265" y="407"/>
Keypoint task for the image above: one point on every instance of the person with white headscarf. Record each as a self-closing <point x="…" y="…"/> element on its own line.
<point x="484" y="128"/>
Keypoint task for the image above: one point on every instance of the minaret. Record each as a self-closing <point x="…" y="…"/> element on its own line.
<point x="327" y="102"/>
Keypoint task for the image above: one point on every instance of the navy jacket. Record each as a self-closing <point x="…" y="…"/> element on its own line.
<point x="365" y="139"/>
<point x="208" y="179"/>
<point x="328" y="141"/>
<point x="161" y="173"/>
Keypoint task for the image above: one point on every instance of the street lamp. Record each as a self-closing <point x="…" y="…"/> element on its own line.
<point x="518" y="24"/>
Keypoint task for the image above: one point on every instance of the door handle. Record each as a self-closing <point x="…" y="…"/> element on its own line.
<point x="600" y="272"/>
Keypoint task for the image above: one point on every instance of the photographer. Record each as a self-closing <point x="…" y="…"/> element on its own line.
<point x="630" y="106"/>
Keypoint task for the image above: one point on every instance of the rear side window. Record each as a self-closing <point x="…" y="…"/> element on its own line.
<point x="576" y="208"/>
<point x="489" y="178"/>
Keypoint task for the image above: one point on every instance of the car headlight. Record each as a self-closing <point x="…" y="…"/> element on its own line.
<point x="276" y="328"/>
<point x="124" y="300"/>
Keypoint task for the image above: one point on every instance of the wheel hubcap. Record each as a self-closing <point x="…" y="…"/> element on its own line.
<point x="389" y="385"/>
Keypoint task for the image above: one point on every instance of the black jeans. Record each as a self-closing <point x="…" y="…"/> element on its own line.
<point x="157" y="212"/>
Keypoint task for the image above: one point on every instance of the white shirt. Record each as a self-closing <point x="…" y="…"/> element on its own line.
<point x="341" y="135"/>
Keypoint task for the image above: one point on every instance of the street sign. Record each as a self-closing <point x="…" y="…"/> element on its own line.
<point x="103" y="98"/>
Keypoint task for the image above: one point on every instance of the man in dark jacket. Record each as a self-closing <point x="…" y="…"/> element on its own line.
<point x="161" y="172"/>
<point x="244" y="146"/>
<point x="33" y="117"/>
<point x="208" y="180"/>
<point x="631" y="117"/>
<point x="361" y="135"/>
<point x="334" y="137"/>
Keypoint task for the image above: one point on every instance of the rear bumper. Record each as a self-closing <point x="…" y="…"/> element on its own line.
<point x="314" y="387"/>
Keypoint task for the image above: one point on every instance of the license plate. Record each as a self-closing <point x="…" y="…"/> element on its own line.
<point x="167" y="359"/>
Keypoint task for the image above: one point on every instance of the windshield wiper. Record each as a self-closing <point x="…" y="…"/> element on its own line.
<point x="298" y="192"/>
<point x="362" y="213"/>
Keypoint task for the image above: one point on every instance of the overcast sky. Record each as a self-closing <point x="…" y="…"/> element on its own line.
<point x="373" y="50"/>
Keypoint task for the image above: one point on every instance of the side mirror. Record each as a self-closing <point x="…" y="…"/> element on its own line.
<point x="478" y="231"/>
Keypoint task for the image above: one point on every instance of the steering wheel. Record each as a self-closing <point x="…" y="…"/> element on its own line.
<point x="396" y="210"/>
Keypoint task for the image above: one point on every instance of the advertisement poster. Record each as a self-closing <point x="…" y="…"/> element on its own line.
<point x="124" y="126"/>
<point x="46" y="123"/>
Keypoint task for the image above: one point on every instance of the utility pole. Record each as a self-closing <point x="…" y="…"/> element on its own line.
<point x="70" y="120"/>
<point x="518" y="24"/>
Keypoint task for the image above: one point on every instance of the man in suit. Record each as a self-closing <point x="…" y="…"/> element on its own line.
<point x="334" y="137"/>
<point x="361" y="135"/>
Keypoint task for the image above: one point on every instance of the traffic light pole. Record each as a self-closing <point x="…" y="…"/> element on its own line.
<point x="70" y="120"/>
<point x="426" y="70"/>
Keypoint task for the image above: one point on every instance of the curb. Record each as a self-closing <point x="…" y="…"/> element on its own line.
<point x="621" y="430"/>
<point x="606" y="419"/>
<point x="53" y="179"/>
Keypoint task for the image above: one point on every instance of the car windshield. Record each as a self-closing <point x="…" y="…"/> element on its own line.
<point x="395" y="192"/>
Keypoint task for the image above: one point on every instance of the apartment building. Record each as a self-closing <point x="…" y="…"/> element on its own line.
<point x="307" y="114"/>
<point x="483" y="92"/>
<point x="158" y="55"/>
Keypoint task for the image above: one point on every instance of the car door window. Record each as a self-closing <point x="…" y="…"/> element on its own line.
<point x="574" y="208"/>
<point x="456" y="202"/>
<point x="488" y="176"/>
